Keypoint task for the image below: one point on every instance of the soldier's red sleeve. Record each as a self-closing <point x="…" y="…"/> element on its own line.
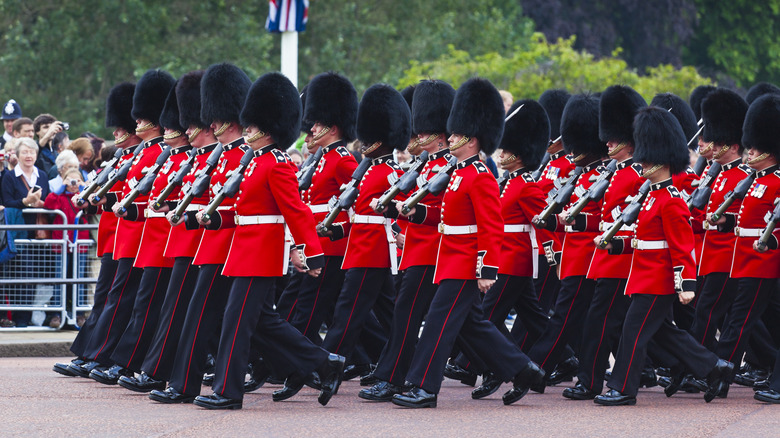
<point x="484" y="197"/>
<point x="532" y="200"/>
<point x="679" y="237"/>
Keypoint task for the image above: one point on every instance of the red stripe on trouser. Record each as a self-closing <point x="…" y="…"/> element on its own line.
<point x="170" y="323"/>
<point x="633" y="350"/>
<point x="116" y="309"/>
<point x="316" y="296"/>
<point x="601" y="338"/>
<point x="146" y="316"/>
<point x="742" y="329"/>
<point x="712" y="309"/>
<point x="292" y="309"/>
<point x="408" y="322"/>
<point x="197" y="328"/>
<point x="235" y="335"/>
<point x="351" y="312"/>
<point x="544" y="283"/>
<point x="565" y="320"/>
<point x="441" y="333"/>
<point x="501" y="294"/>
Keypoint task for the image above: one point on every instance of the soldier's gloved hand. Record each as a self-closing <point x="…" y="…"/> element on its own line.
<point x="374" y="202"/>
<point x="98" y="203"/>
<point x="75" y="201"/>
<point x="314" y="272"/>
<point x="485" y="284"/>
<point x="118" y="210"/>
<point x="686" y="297"/>
<point x="324" y="232"/>
<point x="169" y="216"/>
<point x="199" y="217"/>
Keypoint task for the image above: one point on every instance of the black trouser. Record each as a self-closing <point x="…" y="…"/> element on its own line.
<point x="749" y="304"/>
<point x="547" y="284"/>
<point x="601" y="334"/>
<point x="200" y="329"/>
<point x="362" y="287"/>
<point x="316" y="298"/>
<point x="649" y="317"/>
<point x="116" y="313"/>
<point x="162" y="349"/>
<point x="131" y="349"/>
<point x="566" y="323"/>
<point x="104" y="280"/>
<point x="456" y="310"/>
<point x="247" y="310"/>
<point x="717" y="294"/>
<point x="287" y="297"/>
<point x="411" y="305"/>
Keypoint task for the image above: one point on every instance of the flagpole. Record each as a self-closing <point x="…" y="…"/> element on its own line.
<point x="290" y="56"/>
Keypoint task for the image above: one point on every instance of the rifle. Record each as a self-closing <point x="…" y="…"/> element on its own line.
<point x="536" y="174"/>
<point x="177" y="180"/>
<point x="231" y="186"/>
<point x="118" y="174"/>
<point x="99" y="179"/>
<point x="560" y="199"/>
<point x="307" y="170"/>
<point x="630" y="213"/>
<point x="739" y="192"/>
<point x="403" y="184"/>
<point x="770" y="226"/>
<point x="595" y="192"/>
<point x="699" y="166"/>
<point x="145" y="185"/>
<point x="347" y="197"/>
<point x="502" y="181"/>
<point x="201" y="184"/>
<point x="701" y="195"/>
<point x="434" y="185"/>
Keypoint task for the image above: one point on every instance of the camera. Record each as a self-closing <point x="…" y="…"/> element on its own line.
<point x="65" y="125"/>
<point x="73" y="182"/>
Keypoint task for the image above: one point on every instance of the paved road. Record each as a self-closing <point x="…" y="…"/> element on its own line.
<point x="38" y="402"/>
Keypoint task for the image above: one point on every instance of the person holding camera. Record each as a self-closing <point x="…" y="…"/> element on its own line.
<point x="46" y="127"/>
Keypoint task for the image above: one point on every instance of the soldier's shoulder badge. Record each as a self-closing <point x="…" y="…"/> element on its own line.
<point x="528" y="178"/>
<point x="341" y="150"/>
<point x="280" y="156"/>
<point x="745" y="168"/>
<point x="637" y="168"/>
<point x="480" y="166"/>
<point x="393" y="165"/>
<point x="674" y="192"/>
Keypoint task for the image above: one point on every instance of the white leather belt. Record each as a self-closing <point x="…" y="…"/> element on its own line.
<point x="517" y="228"/>
<point x="224" y="207"/>
<point x="649" y="244"/>
<point x="319" y="208"/>
<point x="194" y="207"/>
<point x="457" y="229"/>
<point x="260" y="219"/>
<point x="367" y="219"/>
<point x="149" y="213"/>
<point x="606" y="226"/>
<point x="570" y="229"/>
<point x="748" y="232"/>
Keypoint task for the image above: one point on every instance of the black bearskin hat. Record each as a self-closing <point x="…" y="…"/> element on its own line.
<point x="617" y="107"/>
<point x="188" y="98"/>
<point x="384" y="116"/>
<point x="697" y="97"/>
<point x="759" y="90"/>
<point x="332" y="100"/>
<point x="431" y="106"/>
<point x="305" y="126"/>
<point x="723" y="112"/>
<point x="274" y="105"/>
<point x="119" y="105"/>
<point x="659" y="139"/>
<point x="762" y="125"/>
<point x="150" y="94"/>
<point x="680" y="109"/>
<point x="527" y="133"/>
<point x="222" y="93"/>
<point x="478" y="112"/>
<point x="580" y="126"/>
<point x="408" y="95"/>
<point x="553" y="102"/>
<point x="170" y="113"/>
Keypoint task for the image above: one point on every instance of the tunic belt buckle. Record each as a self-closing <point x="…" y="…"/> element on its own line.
<point x="367" y="219"/>
<point x="748" y="232"/>
<point x="517" y="228"/>
<point x="456" y="229"/>
<point x="649" y="244"/>
<point x="260" y="219"/>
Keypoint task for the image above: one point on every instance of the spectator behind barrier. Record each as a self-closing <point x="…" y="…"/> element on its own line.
<point x="23" y="127"/>
<point x="46" y="127"/>
<point x="296" y="156"/>
<point x="65" y="162"/>
<point x="84" y="151"/>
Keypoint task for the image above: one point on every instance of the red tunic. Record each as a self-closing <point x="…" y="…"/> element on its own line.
<point x="422" y="240"/>
<point x="718" y="247"/>
<point x="128" y="232"/>
<point x="521" y="200"/>
<point x="471" y="199"/>
<point x="269" y="191"/>
<point x="664" y="218"/>
<point x="760" y="199"/>
<point x="578" y="246"/>
<point x="625" y="182"/>
<point x="156" y="227"/>
<point x="684" y="183"/>
<point x="368" y="243"/>
<point x="183" y="242"/>
<point x="334" y="170"/>
<point x="215" y="244"/>
<point x="560" y="166"/>
<point x="108" y="220"/>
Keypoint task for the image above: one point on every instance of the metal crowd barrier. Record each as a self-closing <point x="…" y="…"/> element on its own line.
<point x="37" y="279"/>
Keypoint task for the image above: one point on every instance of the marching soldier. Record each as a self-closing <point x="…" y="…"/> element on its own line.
<point x="266" y="209"/>
<point x="431" y="106"/>
<point x="468" y="258"/>
<point x="662" y="267"/>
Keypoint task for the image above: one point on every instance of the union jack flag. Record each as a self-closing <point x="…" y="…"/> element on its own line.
<point x="287" y="15"/>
